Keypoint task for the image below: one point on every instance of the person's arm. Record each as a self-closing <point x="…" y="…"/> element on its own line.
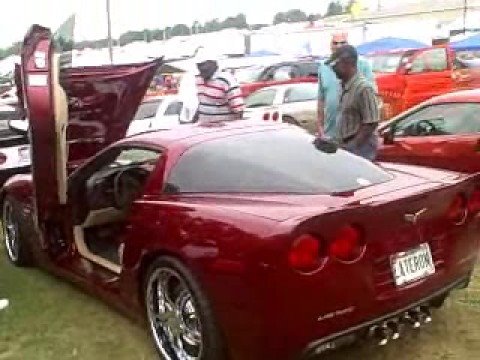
<point x="235" y="98"/>
<point x="320" y="104"/>
<point x="195" y="117"/>
<point x="368" y="106"/>
<point x="366" y="130"/>
<point x="320" y="116"/>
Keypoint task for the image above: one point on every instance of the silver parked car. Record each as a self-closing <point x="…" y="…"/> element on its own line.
<point x="290" y="103"/>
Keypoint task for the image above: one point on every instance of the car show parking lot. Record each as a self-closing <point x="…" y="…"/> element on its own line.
<point x="50" y="319"/>
<point x="238" y="235"/>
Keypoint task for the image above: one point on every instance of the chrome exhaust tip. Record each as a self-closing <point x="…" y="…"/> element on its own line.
<point x="382" y="334"/>
<point x="427" y="315"/>
<point x="411" y="318"/>
<point x="394" y="327"/>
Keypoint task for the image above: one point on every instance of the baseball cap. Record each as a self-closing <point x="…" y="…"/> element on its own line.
<point x="205" y="54"/>
<point x="345" y="52"/>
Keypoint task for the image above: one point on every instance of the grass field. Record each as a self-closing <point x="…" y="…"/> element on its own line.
<point x="50" y="319"/>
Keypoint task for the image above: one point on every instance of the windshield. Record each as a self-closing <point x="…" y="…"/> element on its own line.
<point x="248" y="75"/>
<point x="387" y="63"/>
<point x="279" y="161"/>
<point x="147" y="110"/>
<point x="301" y="92"/>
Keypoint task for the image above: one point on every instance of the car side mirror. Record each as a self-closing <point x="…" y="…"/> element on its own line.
<point x="389" y="136"/>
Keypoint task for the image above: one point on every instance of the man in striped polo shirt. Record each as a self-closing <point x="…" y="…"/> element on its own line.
<point x="219" y="95"/>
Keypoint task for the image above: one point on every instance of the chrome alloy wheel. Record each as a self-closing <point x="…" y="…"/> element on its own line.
<point x="10" y="232"/>
<point x="173" y="317"/>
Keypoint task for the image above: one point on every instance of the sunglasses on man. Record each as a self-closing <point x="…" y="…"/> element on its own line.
<point x="339" y="42"/>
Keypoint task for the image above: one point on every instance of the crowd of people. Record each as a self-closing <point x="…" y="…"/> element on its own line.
<point x="164" y="84"/>
<point x="348" y="112"/>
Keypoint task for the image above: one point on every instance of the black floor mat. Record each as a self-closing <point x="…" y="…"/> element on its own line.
<point x="104" y="241"/>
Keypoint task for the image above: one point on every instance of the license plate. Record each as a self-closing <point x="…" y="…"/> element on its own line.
<point x="412" y="265"/>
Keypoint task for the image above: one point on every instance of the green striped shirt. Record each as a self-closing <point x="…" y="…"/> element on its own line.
<point x="358" y="105"/>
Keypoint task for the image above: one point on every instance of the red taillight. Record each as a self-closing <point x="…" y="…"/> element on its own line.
<point x="266" y="116"/>
<point x="474" y="202"/>
<point x="304" y="254"/>
<point x="457" y="211"/>
<point x="3" y="158"/>
<point x="348" y="244"/>
<point x="275" y="116"/>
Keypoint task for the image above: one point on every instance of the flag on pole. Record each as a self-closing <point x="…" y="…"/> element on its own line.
<point x="63" y="41"/>
<point x="63" y="37"/>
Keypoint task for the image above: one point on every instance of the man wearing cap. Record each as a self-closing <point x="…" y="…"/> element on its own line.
<point x="358" y="113"/>
<point x="329" y="89"/>
<point x="219" y="95"/>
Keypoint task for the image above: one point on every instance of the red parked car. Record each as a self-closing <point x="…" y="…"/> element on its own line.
<point x="291" y="72"/>
<point x="443" y="132"/>
<point x="228" y="247"/>
<point x="408" y="77"/>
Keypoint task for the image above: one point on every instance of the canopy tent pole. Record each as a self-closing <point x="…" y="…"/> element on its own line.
<point x="109" y="22"/>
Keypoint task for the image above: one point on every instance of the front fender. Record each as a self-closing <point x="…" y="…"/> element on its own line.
<point x="18" y="186"/>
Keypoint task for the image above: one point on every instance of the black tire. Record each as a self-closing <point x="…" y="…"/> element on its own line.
<point x="438" y="302"/>
<point x="16" y="245"/>
<point x="213" y="346"/>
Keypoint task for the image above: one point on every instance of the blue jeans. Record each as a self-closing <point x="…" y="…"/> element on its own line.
<point x="367" y="150"/>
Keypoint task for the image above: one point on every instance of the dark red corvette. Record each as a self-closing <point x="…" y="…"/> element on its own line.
<point x="230" y="248"/>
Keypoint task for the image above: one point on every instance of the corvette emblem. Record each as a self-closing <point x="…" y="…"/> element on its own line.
<point x="413" y="218"/>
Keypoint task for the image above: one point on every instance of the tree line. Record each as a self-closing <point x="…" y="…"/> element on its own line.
<point x="233" y="22"/>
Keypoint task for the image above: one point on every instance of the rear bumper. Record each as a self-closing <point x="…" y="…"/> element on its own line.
<point x="350" y="335"/>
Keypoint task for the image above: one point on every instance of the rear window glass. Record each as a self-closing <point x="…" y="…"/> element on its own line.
<point x="248" y="75"/>
<point x="301" y="92"/>
<point x="280" y="161"/>
<point x="309" y="69"/>
<point x="174" y="108"/>
<point x="430" y="60"/>
<point x="147" y="110"/>
<point x="387" y="63"/>
<point x="261" y="98"/>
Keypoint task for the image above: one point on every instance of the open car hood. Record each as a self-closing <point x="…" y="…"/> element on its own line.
<point x="102" y="101"/>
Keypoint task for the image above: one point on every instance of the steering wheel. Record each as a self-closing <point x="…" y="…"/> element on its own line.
<point x="425" y="127"/>
<point x="124" y="189"/>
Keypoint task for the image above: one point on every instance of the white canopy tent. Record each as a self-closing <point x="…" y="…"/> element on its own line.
<point x="7" y="65"/>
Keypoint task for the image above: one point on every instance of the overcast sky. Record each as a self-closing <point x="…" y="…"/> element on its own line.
<point x="138" y="14"/>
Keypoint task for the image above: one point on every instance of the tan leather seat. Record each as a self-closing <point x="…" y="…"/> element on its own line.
<point x="60" y="103"/>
